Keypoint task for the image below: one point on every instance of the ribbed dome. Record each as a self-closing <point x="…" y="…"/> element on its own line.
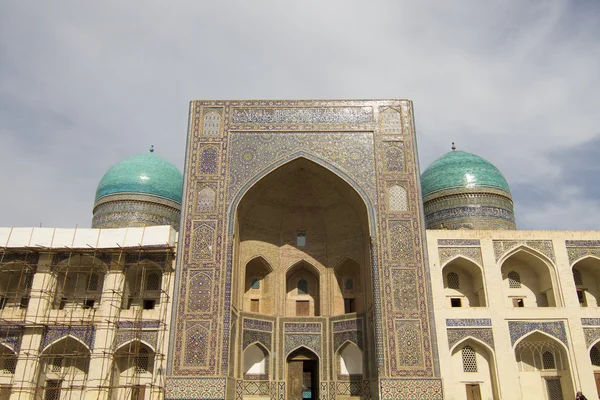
<point x="146" y="174"/>
<point x="461" y="170"/>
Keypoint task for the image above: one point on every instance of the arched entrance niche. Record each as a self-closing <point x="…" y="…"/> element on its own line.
<point x="132" y="371"/>
<point x="303" y="375"/>
<point x="463" y="284"/>
<point x="473" y="363"/>
<point x="543" y="365"/>
<point x="586" y="275"/>
<point x="302" y="244"/>
<point x="529" y="280"/>
<point x="595" y="360"/>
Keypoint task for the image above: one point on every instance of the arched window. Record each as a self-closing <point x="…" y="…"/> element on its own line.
<point x="28" y="281"/>
<point x="153" y="282"/>
<point x="453" y="282"/>
<point x="8" y="364"/>
<point x="302" y="286"/>
<point x="255" y="283"/>
<point x="469" y="359"/>
<point x="577" y="277"/>
<point x="514" y="280"/>
<point x="93" y="282"/>
<point x="595" y="356"/>
<point x="56" y="364"/>
<point x="548" y="360"/>
<point x="349" y="284"/>
<point x="141" y="361"/>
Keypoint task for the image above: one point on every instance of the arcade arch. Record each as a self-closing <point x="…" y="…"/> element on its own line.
<point x="586" y="275"/>
<point x="463" y="280"/>
<point x="473" y="363"/>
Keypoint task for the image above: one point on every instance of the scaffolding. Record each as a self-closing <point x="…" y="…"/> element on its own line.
<point x="84" y="332"/>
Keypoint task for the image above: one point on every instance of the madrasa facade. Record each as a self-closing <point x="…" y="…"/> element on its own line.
<point x="301" y="255"/>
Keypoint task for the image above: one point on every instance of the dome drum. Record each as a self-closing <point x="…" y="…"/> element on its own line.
<point x="134" y="213"/>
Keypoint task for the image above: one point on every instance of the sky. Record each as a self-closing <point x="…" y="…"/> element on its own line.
<point x="84" y="85"/>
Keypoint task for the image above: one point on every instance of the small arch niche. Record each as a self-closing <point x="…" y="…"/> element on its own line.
<point x="258" y="288"/>
<point x="255" y="361"/>
<point x="348" y="296"/>
<point x="463" y="280"/>
<point x="528" y="281"/>
<point x="351" y="360"/>
<point x="586" y="275"/>
<point x="302" y="291"/>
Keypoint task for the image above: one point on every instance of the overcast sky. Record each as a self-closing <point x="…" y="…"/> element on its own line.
<point x="86" y="84"/>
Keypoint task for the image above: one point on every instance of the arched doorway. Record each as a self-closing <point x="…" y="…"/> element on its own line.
<point x="303" y="375"/>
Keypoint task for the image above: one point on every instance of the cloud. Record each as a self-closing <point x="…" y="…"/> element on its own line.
<point x="83" y="85"/>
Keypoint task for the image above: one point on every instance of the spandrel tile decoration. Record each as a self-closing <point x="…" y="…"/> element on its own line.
<point x="300" y="255"/>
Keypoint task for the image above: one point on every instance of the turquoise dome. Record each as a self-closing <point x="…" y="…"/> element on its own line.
<point x="146" y="174"/>
<point x="461" y="170"/>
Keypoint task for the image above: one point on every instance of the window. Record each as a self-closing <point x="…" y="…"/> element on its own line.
<point x="24" y="302"/>
<point x="88" y="304"/>
<point x="153" y="282"/>
<point x="300" y="238"/>
<point x="577" y="277"/>
<point x="581" y="298"/>
<point x="93" y="282"/>
<point x="469" y="359"/>
<point x="56" y="364"/>
<point x="302" y="308"/>
<point x="349" y="284"/>
<point x="518" y="303"/>
<point x="62" y="304"/>
<point x="52" y="390"/>
<point x="452" y="279"/>
<point x="514" y="280"/>
<point x="455" y="302"/>
<point x="141" y="362"/>
<point x="349" y="306"/>
<point x="255" y="283"/>
<point x="28" y="281"/>
<point x="595" y="356"/>
<point x="302" y="286"/>
<point x="254" y="305"/>
<point x="149" y="304"/>
<point x="548" y="360"/>
<point x="9" y="364"/>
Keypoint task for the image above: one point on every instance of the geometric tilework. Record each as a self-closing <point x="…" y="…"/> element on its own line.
<point x="212" y="121"/>
<point x="306" y="115"/>
<point x="577" y="253"/>
<point x="84" y="333"/>
<point x="203" y="241"/>
<point x="417" y="389"/>
<point x="302" y="327"/>
<point x="404" y="283"/>
<point x="590" y="321"/>
<point x="458" y="242"/>
<point x="400" y="237"/>
<point x="519" y="329"/>
<point x="582" y="243"/>
<point x="310" y="341"/>
<point x="472" y="253"/>
<point x="195" y="388"/>
<point x="196" y="343"/>
<point x="483" y="334"/>
<point x="391" y="123"/>
<point x="11" y="337"/>
<point x="410" y="352"/>
<point x="340" y="338"/>
<point x="394" y="156"/>
<point x="502" y="247"/>
<point x="258" y="325"/>
<point x="125" y="335"/>
<point x="591" y="335"/>
<point x="263" y="338"/>
<point x="397" y="199"/>
<point x="347" y="325"/>
<point x="200" y="285"/>
<point x="469" y="322"/>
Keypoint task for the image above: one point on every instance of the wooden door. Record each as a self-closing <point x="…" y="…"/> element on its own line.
<point x="597" y="379"/>
<point x="473" y="392"/>
<point x="294" y="381"/>
<point x="302" y="308"/>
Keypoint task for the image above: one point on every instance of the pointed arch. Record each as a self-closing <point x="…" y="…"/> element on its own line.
<point x="231" y="213"/>
<point x="256" y="359"/>
<point x="529" y="250"/>
<point x="351" y="359"/>
<point x="131" y="342"/>
<point x="303" y="348"/>
<point x="480" y="342"/>
<point x="65" y="337"/>
<point x="264" y="259"/>
<point x="584" y="257"/>
<point x="470" y="276"/>
<point x="533" y="332"/>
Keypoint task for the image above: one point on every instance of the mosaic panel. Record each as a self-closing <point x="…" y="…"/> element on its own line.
<point x="256" y="388"/>
<point x="472" y="253"/>
<point x="469" y="322"/>
<point x="302" y="327"/>
<point x="206" y="200"/>
<point x="200" y="291"/>
<point x="316" y="115"/>
<point x="397" y="199"/>
<point x="590" y="321"/>
<point x="410" y="350"/>
<point x="472" y="213"/>
<point x="458" y="242"/>
<point x="11" y="336"/>
<point x="391" y="122"/>
<point x="400" y="240"/>
<point x="195" y="388"/>
<point x="484" y="334"/>
<point x="209" y="161"/>
<point x="347" y="325"/>
<point x="253" y="152"/>
<point x="310" y="341"/>
<point x="197" y="346"/>
<point x="393" y="155"/>
<point x="519" y="329"/>
<point x="502" y="247"/>
<point x="405" y="289"/>
<point x="124" y="213"/>
<point x="258" y="324"/>
<point x="591" y="335"/>
<point x="203" y="241"/>
<point x="126" y="335"/>
<point x="84" y="333"/>
<point x="418" y="389"/>
<point x="340" y="338"/>
<point x="211" y="123"/>
<point x="263" y="338"/>
<point x="582" y="243"/>
<point x="577" y="253"/>
<point x="349" y="388"/>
